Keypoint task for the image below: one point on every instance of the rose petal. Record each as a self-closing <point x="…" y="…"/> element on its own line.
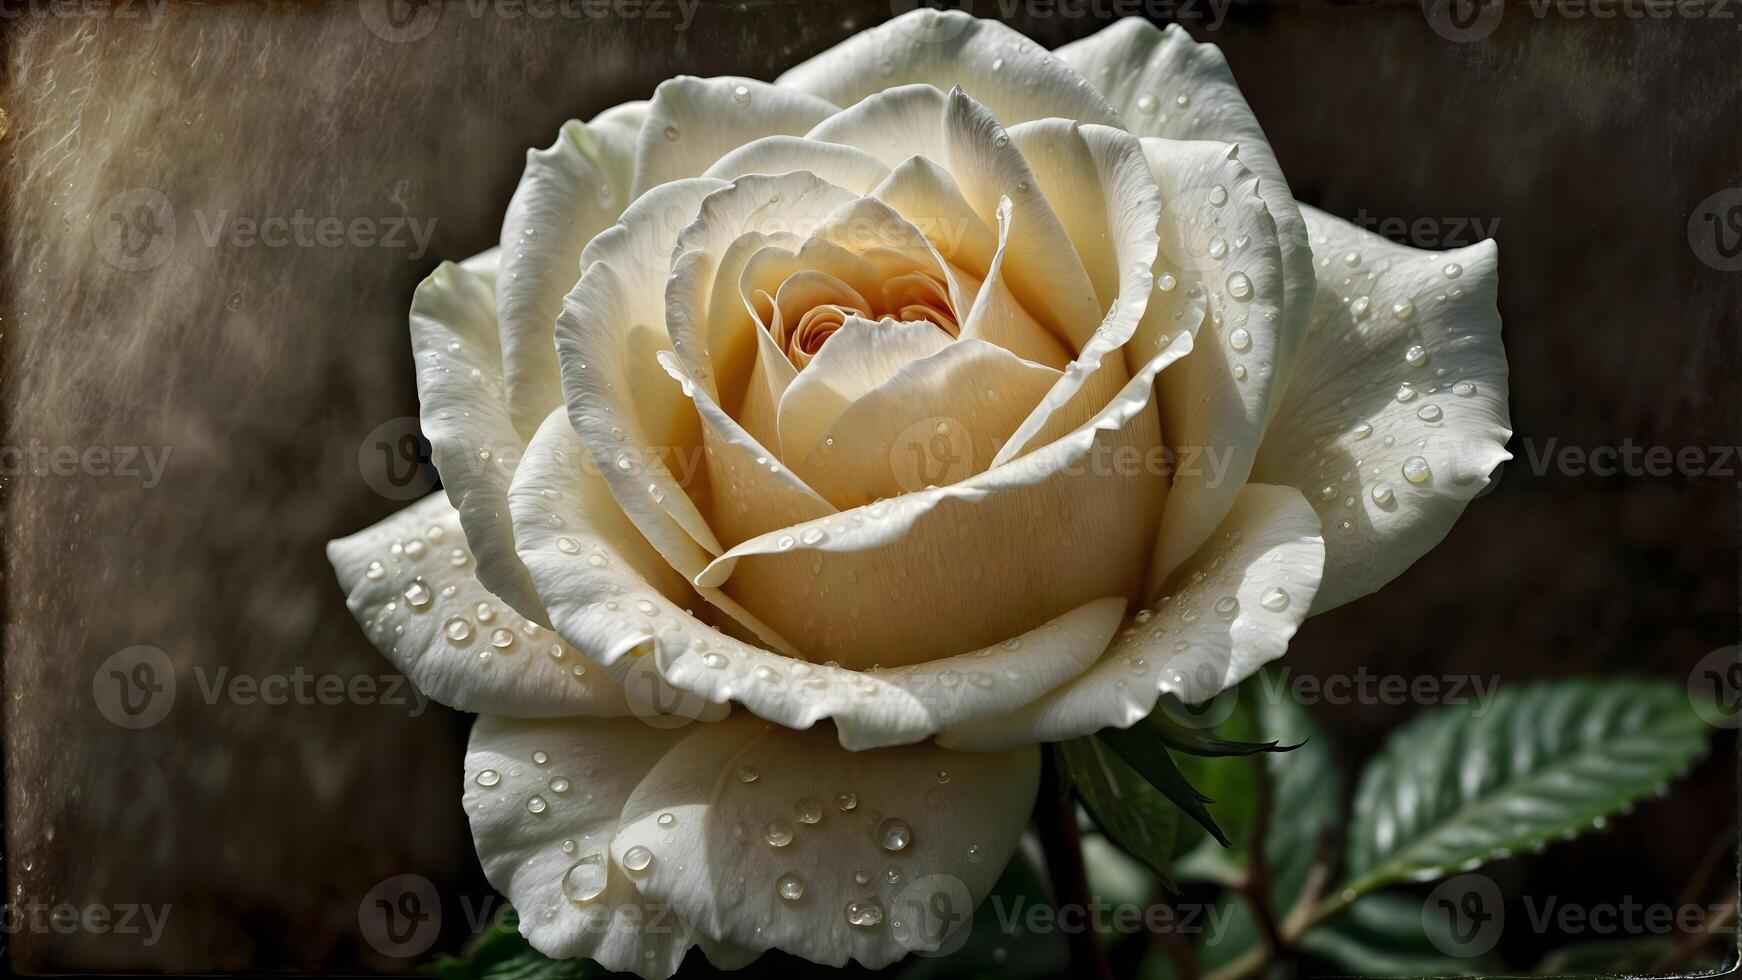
<point x="1165" y="84"/>
<point x="466" y="417"/>
<point x="1016" y="78"/>
<point x="707" y="831"/>
<point x="1397" y="410"/>
<point x="544" y="860"/>
<point x="860" y="356"/>
<point x="693" y="122"/>
<point x="410" y="582"/>
<point x="937" y="572"/>
<point x="642" y="433"/>
<point x="874" y="709"/>
<point x="1100" y="178"/>
<point x="1246" y="592"/>
<point x="569" y="192"/>
<point x="936" y="419"/>
<point x="1217" y="238"/>
<point x="608" y="590"/>
<point x="843" y="166"/>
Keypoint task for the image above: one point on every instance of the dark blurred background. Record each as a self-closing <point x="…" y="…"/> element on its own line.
<point x="1585" y="145"/>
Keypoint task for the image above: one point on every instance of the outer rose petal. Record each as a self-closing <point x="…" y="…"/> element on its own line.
<point x="1222" y="245"/>
<point x="1249" y="588"/>
<point x="1397" y="408"/>
<point x="693" y="122"/>
<point x="409" y="580"/>
<point x="541" y="855"/>
<point x="879" y="708"/>
<point x="570" y="192"/>
<point x="742" y="810"/>
<point x="1145" y="72"/>
<point x="466" y="416"/>
<point x="1016" y="78"/>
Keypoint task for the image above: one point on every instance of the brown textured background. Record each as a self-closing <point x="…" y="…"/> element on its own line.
<point x="1585" y="144"/>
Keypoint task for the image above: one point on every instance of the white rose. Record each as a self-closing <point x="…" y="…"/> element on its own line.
<point x="1101" y="413"/>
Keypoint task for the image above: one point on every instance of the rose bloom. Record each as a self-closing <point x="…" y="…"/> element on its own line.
<point x="813" y="451"/>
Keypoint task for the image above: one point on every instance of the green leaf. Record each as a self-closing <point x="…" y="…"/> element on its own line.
<point x="1142" y="747"/>
<point x="1392" y="935"/>
<point x="1462" y="786"/>
<point x="1132" y="813"/>
<point x="1197" y="740"/>
<point x="500" y="953"/>
<point x="1633" y="956"/>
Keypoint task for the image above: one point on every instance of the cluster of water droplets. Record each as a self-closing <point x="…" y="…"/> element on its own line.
<point x="1423" y="383"/>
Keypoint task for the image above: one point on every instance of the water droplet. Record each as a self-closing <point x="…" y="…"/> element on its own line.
<point x="540" y="757"/>
<point x="713" y="660"/>
<point x="1165" y="282"/>
<point x="862" y="877"/>
<point x="559" y="785"/>
<point x="1415" y="356"/>
<point x="1361" y="430"/>
<point x="417" y="595"/>
<point x="375" y="571"/>
<point x="893" y="834"/>
<point x="585" y="880"/>
<point x="1275" y="600"/>
<point x="1146" y="104"/>
<point x="1381" y="494"/>
<point x="486" y="612"/>
<point x="501" y="637"/>
<point x="457" y="557"/>
<point x="1182" y="99"/>
<point x="458" y="630"/>
<point x="671" y="133"/>
<point x="1358" y="306"/>
<point x="865" y="914"/>
<point x="1001" y="141"/>
<point x="1415" y="470"/>
<point x="846" y="802"/>
<point x="568" y="546"/>
<point x="1218" y="195"/>
<point x="1239" y="338"/>
<point x="1453" y="270"/>
<point x="1464" y="389"/>
<point x="1227" y="606"/>
<point x="1218" y="248"/>
<point x="1406" y="394"/>
<point x="778" y="833"/>
<point x="1429" y="413"/>
<point x="637" y="858"/>
<point x="488" y="778"/>
<point x="808" y="810"/>
<point x="748" y="774"/>
<point x="790" y="887"/>
<point x="974" y="854"/>
<point x="1403" y="310"/>
<point x="535" y="804"/>
<point x="741" y="95"/>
